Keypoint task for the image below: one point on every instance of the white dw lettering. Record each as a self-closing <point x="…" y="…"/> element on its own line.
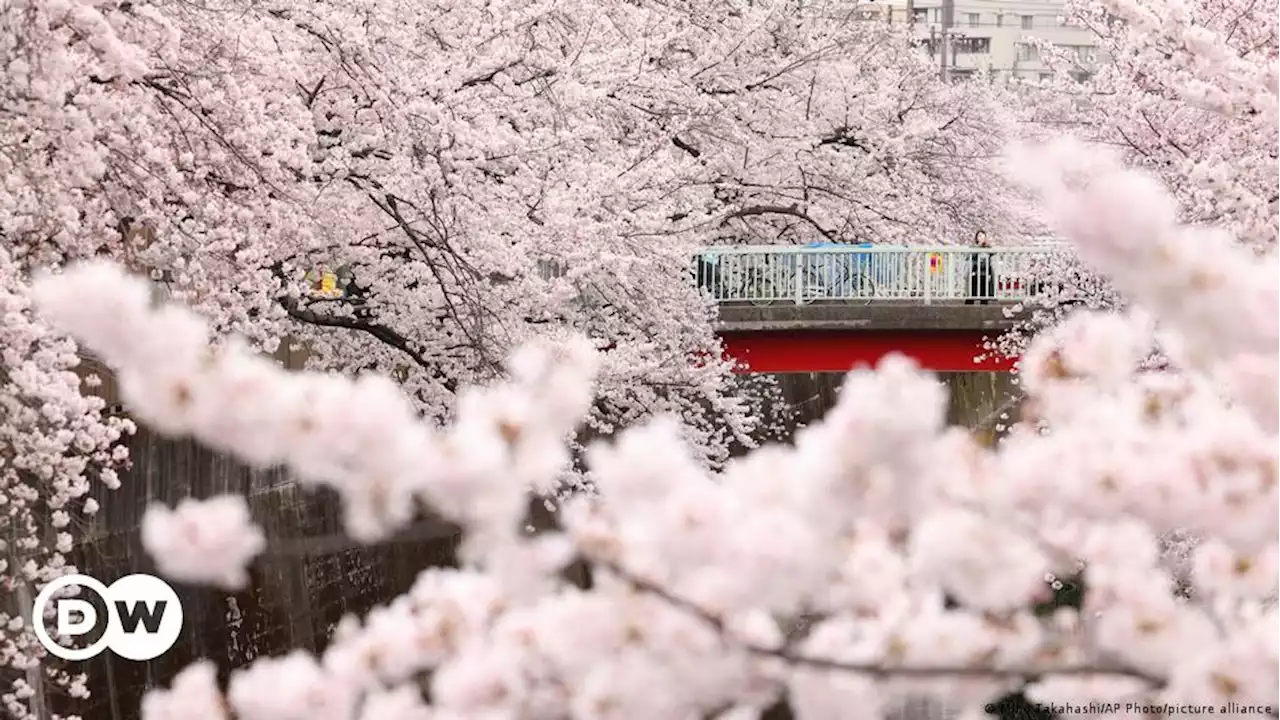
<point x="144" y="617"/>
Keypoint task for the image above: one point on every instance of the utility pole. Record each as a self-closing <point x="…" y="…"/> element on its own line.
<point x="948" y="19"/>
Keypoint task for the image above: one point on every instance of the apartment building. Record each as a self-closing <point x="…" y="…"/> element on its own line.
<point x="991" y="35"/>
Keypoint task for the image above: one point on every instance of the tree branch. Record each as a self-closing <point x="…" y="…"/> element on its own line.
<point x="877" y="670"/>
<point x="791" y="210"/>
<point x="675" y="140"/>
<point x="381" y="332"/>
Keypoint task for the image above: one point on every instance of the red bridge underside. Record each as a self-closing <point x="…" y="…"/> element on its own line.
<point x="791" y="351"/>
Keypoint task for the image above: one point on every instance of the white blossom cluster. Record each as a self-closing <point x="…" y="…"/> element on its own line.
<point x="56" y="445"/>
<point x="1064" y="285"/>
<point x="882" y="556"/>
<point x="1187" y="89"/>
<point x="195" y="532"/>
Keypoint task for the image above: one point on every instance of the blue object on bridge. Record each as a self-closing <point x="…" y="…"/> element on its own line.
<point x="881" y="273"/>
<point x="844" y="269"/>
<point x="864" y="259"/>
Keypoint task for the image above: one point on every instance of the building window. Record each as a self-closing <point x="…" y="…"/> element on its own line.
<point x="929" y="44"/>
<point x="972" y="45"/>
<point x="962" y="75"/>
<point x="974" y="18"/>
<point x="1083" y="54"/>
<point x="1081" y="76"/>
<point x="548" y="269"/>
<point x="1045" y="77"/>
<point x="1028" y="53"/>
<point x="1028" y="22"/>
<point x="999" y="19"/>
<point x="920" y="14"/>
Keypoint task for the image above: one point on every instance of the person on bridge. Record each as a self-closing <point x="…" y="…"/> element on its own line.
<point x="982" y="280"/>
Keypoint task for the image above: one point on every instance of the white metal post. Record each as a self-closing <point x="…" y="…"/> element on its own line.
<point x="952" y="264"/>
<point x="797" y="276"/>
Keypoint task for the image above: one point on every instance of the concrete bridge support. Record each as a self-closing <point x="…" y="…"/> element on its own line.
<point x="975" y="399"/>
<point x="982" y="401"/>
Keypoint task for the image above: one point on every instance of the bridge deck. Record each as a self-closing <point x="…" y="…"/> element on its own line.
<point x="834" y="337"/>
<point x="879" y="315"/>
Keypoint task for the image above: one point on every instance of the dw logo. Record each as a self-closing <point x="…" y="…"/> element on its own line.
<point x="144" y="617"/>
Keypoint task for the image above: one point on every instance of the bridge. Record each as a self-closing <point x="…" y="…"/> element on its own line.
<point x="827" y="309"/>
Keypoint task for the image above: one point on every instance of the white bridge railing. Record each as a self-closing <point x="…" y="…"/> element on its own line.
<point x="765" y="275"/>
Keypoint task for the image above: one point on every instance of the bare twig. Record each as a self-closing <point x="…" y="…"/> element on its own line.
<point x="878" y="670"/>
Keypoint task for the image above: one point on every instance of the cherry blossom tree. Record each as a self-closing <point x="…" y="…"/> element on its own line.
<point x="1063" y="285"/>
<point x="1187" y="88"/>
<point x="913" y="552"/>
<point x="444" y="153"/>
<point x="56" y="446"/>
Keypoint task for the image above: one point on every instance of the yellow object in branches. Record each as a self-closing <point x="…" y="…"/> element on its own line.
<point x="324" y="282"/>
